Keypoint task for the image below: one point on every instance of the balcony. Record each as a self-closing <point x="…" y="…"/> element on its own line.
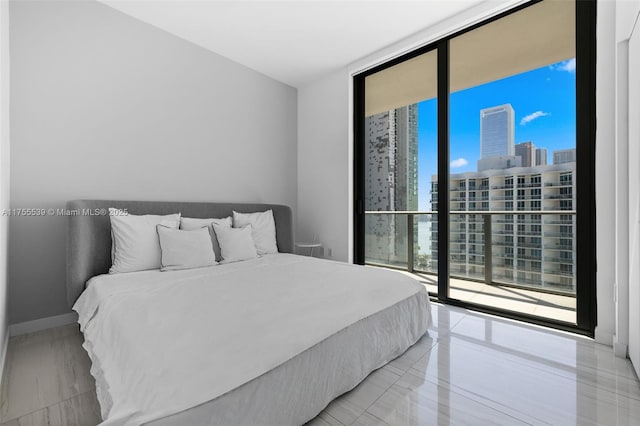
<point x="558" y="247"/>
<point x="475" y="231"/>
<point x="559" y="222"/>
<point x="529" y="257"/>
<point x="547" y="305"/>
<point x="504" y="256"/>
<point x="528" y="221"/>
<point x="494" y="271"/>
<point x="527" y="244"/>
<point x="552" y="184"/>
<point x="564" y="260"/>
<point x="558" y="196"/>
<point x="530" y="185"/>
<point x="503" y="220"/>
<point x="559" y="234"/>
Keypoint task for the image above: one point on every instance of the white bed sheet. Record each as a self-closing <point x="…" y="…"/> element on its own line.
<point x="218" y="345"/>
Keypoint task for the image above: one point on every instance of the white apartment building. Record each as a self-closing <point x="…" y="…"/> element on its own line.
<point x="527" y="249"/>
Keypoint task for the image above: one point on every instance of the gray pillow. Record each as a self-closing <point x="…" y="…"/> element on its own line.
<point x="185" y="249"/>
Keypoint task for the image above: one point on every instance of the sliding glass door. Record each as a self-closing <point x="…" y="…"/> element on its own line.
<point x="474" y="165"/>
<point x="400" y="157"/>
<point x="512" y="139"/>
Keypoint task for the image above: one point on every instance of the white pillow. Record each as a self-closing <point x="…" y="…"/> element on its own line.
<point x="264" y="229"/>
<point x="236" y="244"/>
<point x="185" y="249"/>
<point x="135" y="240"/>
<point x="189" y="223"/>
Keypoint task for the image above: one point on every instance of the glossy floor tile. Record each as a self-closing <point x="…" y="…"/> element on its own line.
<point x="414" y="400"/>
<point x="536" y="375"/>
<point x="43" y="369"/>
<point x="79" y="410"/>
<point x="470" y="369"/>
<point x="483" y="370"/>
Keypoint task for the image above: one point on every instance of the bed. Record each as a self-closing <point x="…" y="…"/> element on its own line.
<point x="270" y="340"/>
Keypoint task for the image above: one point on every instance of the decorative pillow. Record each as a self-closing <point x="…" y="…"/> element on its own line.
<point x="188" y="223"/>
<point x="135" y="240"/>
<point x="264" y="229"/>
<point x="185" y="249"/>
<point x="236" y="244"/>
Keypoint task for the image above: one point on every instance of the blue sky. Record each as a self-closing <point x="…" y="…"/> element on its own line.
<point x="544" y="103"/>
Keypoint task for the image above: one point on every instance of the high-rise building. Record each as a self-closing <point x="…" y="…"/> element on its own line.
<point x="527" y="152"/>
<point x="528" y="249"/>
<point x="497" y="131"/>
<point x="498" y="162"/>
<point x="562" y="156"/>
<point x="541" y="157"/>
<point x="391" y="182"/>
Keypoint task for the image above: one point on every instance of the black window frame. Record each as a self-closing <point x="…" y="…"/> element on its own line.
<point x="585" y="271"/>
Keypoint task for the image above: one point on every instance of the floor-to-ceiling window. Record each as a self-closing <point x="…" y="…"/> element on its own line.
<point x="400" y="143"/>
<point x="474" y="165"/>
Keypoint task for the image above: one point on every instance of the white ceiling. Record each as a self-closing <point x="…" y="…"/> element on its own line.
<point x="295" y="41"/>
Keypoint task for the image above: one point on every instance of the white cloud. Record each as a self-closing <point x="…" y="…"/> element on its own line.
<point x="532" y="117"/>
<point x="568" y="66"/>
<point x="460" y="162"/>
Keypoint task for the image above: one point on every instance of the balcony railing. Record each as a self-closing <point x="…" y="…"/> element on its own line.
<point x="558" y="196"/>
<point x="559" y="222"/>
<point x="558" y="183"/>
<point x="486" y="248"/>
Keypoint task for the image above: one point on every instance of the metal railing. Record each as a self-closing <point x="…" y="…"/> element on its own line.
<point x="485" y="253"/>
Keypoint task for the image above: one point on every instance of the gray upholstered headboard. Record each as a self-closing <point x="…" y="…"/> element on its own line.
<point x="89" y="236"/>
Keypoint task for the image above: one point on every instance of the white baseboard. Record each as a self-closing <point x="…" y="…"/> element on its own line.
<point x="620" y="350"/>
<point x="42" y="324"/>
<point x="604" y="337"/>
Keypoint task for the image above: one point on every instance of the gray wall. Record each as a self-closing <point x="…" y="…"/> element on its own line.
<point x="105" y="106"/>
<point x="324" y="158"/>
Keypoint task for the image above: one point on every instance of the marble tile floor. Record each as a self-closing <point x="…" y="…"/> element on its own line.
<point x="470" y="369"/>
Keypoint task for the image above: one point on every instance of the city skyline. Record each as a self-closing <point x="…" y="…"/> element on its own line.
<point x="543" y="101"/>
<point x="498" y="161"/>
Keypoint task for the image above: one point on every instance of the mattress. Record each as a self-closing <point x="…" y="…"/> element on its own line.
<point x="267" y="341"/>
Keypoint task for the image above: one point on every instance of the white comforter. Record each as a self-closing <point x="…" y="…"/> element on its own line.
<point x="164" y="342"/>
